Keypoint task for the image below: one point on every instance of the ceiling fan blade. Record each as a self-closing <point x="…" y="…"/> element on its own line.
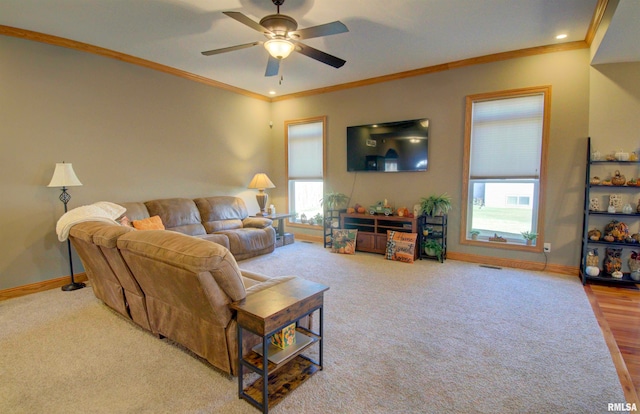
<point x="320" y="56"/>
<point x="248" y="22"/>
<point x="320" y="30"/>
<point x="230" y="48"/>
<point x="273" y="66"/>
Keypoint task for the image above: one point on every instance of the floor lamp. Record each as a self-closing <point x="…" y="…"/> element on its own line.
<point x="63" y="176"/>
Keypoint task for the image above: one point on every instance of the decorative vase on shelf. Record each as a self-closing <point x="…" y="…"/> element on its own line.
<point x="618" y="179"/>
<point x="638" y="208"/>
<point x="627" y="209"/>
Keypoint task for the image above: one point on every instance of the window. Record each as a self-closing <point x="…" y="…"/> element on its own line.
<point x="305" y="142"/>
<point x="505" y="151"/>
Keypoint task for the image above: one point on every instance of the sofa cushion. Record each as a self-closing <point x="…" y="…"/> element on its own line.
<point x="221" y="212"/>
<point x="135" y="211"/>
<point x="177" y="214"/>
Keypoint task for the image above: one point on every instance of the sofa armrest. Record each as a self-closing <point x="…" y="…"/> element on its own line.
<point x="257" y="222"/>
<point x="251" y="278"/>
<point x="267" y="284"/>
<point x="221" y="239"/>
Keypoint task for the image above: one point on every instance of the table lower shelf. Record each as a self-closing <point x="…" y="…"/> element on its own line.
<point x="287" y="379"/>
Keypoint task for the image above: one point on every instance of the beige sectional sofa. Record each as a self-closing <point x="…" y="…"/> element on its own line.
<point x="222" y="219"/>
<point x="171" y="284"/>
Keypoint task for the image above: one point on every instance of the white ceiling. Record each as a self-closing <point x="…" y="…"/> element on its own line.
<point x="385" y="37"/>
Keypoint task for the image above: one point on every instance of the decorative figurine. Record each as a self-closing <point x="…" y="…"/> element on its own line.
<point x="612" y="261"/>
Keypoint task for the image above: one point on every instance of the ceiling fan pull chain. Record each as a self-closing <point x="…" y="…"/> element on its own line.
<point x="281" y="79"/>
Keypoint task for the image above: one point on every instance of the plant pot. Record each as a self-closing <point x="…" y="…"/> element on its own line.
<point x="474" y="237"/>
<point x="529" y="242"/>
<point x="430" y="252"/>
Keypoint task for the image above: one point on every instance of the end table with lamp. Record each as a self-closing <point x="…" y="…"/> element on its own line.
<point x="282" y="238"/>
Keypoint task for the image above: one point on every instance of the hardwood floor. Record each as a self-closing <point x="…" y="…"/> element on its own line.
<point x="617" y="310"/>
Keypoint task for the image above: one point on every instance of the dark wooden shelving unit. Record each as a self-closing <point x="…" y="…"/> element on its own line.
<point x="331" y="221"/>
<point x="437" y="228"/>
<point x="603" y="277"/>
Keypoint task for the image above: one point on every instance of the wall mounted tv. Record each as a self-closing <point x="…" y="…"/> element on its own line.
<point x="389" y="147"/>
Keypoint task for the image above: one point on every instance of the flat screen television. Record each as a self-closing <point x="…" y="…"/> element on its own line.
<point x="389" y="147"/>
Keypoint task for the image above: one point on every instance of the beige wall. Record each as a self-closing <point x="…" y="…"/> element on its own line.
<point x="614" y="121"/>
<point x="136" y="134"/>
<point x="132" y="134"/>
<point x="440" y="97"/>
<point x="614" y="125"/>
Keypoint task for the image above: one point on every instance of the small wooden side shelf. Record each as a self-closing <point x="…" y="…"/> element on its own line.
<point x="266" y="313"/>
<point x="372" y="229"/>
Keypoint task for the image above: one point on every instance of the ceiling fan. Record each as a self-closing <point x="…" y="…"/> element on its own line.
<point x="282" y="34"/>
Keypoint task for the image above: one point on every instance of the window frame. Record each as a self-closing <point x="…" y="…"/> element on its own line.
<point x="539" y="218"/>
<point x="311" y="120"/>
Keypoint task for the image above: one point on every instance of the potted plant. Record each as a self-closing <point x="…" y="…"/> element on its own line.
<point x="334" y="201"/>
<point x="529" y="237"/>
<point x="433" y="248"/>
<point x="436" y="205"/>
<point x="318" y="219"/>
<point x="474" y="234"/>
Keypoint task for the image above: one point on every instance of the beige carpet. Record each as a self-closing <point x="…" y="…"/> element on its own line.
<point x="400" y="338"/>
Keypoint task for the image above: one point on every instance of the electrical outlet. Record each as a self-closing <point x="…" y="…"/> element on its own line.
<point x="547" y="247"/>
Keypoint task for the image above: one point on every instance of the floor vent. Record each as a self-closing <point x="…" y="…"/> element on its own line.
<point x="491" y="267"/>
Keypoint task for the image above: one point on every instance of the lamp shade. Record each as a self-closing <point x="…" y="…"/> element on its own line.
<point x="279" y="48"/>
<point x="261" y="181"/>
<point x="64" y="176"/>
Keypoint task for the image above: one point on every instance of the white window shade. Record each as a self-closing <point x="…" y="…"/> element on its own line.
<point x="506" y="138"/>
<point x="305" y="150"/>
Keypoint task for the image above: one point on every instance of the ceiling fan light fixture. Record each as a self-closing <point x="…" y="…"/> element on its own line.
<point x="279" y="48"/>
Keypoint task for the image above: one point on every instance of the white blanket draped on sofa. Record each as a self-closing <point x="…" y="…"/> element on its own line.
<point x="100" y="211"/>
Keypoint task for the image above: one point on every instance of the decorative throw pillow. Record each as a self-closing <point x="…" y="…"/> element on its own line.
<point x="151" y="223"/>
<point x="401" y="246"/>
<point x="344" y="241"/>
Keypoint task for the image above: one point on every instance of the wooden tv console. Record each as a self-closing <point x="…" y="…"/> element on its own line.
<point x="372" y="229"/>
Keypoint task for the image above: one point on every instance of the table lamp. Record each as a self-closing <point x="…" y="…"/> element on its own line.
<point x="64" y="176"/>
<point x="260" y="181"/>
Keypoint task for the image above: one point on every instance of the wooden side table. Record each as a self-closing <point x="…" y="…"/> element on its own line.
<point x="266" y="313"/>
<point x="280" y="219"/>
